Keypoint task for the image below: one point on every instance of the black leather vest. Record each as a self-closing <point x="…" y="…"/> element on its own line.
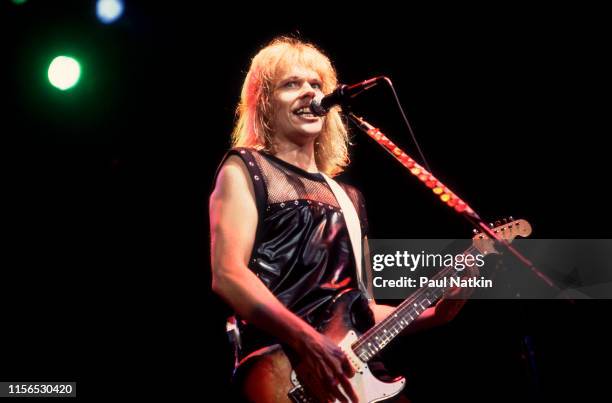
<point x="302" y="251"/>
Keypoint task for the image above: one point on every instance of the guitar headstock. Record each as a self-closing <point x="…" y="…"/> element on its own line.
<point x="507" y="229"/>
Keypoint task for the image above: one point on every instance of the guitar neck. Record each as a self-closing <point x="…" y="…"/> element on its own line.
<point x="375" y="339"/>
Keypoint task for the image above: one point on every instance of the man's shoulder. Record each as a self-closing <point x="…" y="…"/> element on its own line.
<point x="350" y="189"/>
<point x="233" y="170"/>
<point x="238" y="157"/>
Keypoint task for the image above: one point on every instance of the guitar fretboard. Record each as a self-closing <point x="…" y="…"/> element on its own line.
<point x="375" y="339"/>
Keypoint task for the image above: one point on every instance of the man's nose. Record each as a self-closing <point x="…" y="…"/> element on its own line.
<point x="307" y="90"/>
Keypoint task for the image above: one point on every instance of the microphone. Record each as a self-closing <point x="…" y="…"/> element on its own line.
<point x="342" y="95"/>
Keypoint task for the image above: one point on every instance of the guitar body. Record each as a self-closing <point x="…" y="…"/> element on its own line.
<point x="270" y="377"/>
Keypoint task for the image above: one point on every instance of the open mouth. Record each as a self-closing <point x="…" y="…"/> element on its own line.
<point x="305" y="112"/>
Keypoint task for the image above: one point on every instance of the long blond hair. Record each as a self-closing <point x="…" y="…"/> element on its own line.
<point x="254" y="111"/>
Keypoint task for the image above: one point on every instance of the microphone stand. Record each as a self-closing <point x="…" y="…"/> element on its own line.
<point x="446" y="195"/>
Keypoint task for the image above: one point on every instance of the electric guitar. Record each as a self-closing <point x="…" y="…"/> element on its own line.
<point x="271" y="378"/>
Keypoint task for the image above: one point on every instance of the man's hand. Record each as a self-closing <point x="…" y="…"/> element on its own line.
<point x="322" y="367"/>
<point x="459" y="293"/>
<point x="455" y="298"/>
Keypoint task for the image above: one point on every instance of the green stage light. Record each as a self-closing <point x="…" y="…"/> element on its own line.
<point x="64" y="72"/>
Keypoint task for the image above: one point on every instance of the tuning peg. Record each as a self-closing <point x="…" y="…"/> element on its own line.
<point x="497" y="223"/>
<point x="505" y="220"/>
<point x="491" y="225"/>
<point x="475" y="231"/>
<point x="511" y="218"/>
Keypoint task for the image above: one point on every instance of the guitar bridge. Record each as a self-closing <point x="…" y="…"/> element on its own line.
<point x="298" y="395"/>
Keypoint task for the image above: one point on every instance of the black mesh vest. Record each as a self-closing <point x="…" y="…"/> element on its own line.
<point x="302" y="251"/>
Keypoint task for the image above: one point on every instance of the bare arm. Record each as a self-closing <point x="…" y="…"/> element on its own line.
<point x="233" y="223"/>
<point x="444" y="310"/>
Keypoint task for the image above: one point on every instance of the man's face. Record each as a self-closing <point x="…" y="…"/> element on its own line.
<point x="291" y="98"/>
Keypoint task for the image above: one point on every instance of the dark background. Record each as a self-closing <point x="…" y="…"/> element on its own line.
<point x="105" y="272"/>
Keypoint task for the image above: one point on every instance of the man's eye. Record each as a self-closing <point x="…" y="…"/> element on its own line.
<point x="316" y="86"/>
<point x="291" y="84"/>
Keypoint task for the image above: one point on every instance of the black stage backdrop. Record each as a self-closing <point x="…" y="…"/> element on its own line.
<point x="105" y="272"/>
